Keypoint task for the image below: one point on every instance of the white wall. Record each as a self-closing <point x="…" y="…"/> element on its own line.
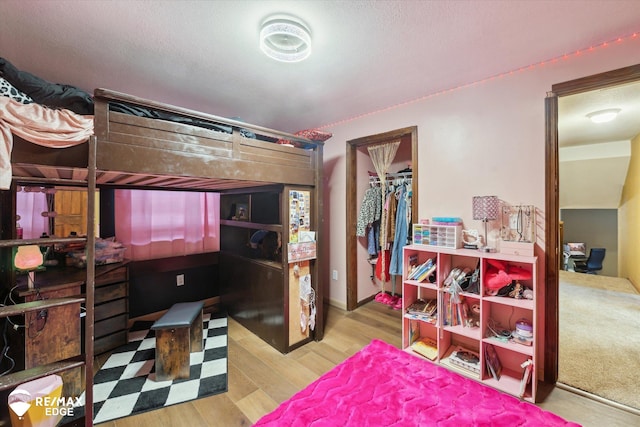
<point x="484" y="139"/>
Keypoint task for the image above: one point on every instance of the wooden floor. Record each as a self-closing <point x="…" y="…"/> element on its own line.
<point x="260" y="377"/>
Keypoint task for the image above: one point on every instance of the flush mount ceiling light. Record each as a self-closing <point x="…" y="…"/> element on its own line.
<point x="285" y="39"/>
<point x="603" y="116"/>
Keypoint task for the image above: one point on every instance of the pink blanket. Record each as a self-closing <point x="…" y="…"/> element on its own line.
<point x="40" y="125"/>
<point x="383" y="386"/>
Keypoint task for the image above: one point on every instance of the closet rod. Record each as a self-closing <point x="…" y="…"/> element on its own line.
<point x="391" y="176"/>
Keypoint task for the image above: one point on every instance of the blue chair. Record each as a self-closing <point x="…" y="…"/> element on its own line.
<point x="592" y="264"/>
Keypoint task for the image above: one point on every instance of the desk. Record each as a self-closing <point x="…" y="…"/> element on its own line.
<point x="570" y="257"/>
<point x="61" y="335"/>
<point x="54" y="334"/>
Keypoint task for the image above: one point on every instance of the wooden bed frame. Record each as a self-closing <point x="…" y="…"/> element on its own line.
<point x="145" y="153"/>
<point x="151" y="153"/>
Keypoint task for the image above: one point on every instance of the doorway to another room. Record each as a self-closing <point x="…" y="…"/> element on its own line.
<point x="358" y="266"/>
<point x="591" y="220"/>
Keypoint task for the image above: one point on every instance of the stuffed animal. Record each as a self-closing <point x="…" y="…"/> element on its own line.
<point x="473" y="321"/>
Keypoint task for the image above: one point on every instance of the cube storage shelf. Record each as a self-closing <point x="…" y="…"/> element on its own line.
<point x="494" y="312"/>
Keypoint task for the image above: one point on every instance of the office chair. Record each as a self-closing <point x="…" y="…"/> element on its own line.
<point x="592" y="264"/>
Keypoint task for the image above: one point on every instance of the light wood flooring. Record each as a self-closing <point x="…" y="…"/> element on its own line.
<point x="260" y="377"/>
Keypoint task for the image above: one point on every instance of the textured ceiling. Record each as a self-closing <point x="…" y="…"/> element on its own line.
<point x="367" y="55"/>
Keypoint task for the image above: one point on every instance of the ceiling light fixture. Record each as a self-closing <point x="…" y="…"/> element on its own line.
<point x="603" y="116"/>
<point x="285" y="39"/>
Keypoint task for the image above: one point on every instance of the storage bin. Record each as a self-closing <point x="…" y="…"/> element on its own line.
<point x="516" y="248"/>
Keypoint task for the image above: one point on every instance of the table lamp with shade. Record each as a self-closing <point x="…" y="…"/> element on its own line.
<point x="485" y="209"/>
<point x="28" y="258"/>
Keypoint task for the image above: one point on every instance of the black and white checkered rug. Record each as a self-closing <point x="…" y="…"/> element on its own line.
<point x="125" y="385"/>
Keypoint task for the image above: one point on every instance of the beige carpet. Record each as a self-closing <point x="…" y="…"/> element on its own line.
<point x="599" y="349"/>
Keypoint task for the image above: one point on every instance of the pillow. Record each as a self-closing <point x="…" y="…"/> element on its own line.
<point x="500" y="265"/>
<point x="312" y="134"/>
<point x="52" y="95"/>
<point x="7" y="89"/>
<point x="518" y="273"/>
<point x="496" y="279"/>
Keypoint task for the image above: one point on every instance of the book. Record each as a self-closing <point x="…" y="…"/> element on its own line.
<point x="426" y="273"/>
<point x="425" y="310"/>
<point x="412" y="263"/>
<point x="421" y="306"/>
<point x="419" y="269"/>
<point x="527" y="365"/>
<point x="493" y="362"/>
<point x="422" y="271"/>
<point x="426" y="347"/>
<point x="466" y="359"/>
<point x="414" y="332"/>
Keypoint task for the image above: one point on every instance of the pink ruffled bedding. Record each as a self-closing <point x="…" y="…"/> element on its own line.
<point x="383" y="386"/>
<point x="40" y="125"/>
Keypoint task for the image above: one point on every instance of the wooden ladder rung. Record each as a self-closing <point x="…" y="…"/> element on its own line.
<point x="22" y="308"/>
<point x="20" y="377"/>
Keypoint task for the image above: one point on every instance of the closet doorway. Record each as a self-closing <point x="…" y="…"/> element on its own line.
<point x="553" y="249"/>
<point x="408" y="135"/>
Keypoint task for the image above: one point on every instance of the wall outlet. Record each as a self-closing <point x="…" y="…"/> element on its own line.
<point x="334" y="275"/>
<point x="180" y="279"/>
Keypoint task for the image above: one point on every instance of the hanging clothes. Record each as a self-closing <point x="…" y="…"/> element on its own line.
<point x="370" y="210"/>
<point x="380" y="265"/>
<point x="392" y="207"/>
<point x="373" y="239"/>
<point x="402" y="229"/>
<point x="368" y="223"/>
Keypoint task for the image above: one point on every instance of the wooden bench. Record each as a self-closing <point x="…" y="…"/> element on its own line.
<point x="178" y="333"/>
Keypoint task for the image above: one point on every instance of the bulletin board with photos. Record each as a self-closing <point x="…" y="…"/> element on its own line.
<point x="302" y="240"/>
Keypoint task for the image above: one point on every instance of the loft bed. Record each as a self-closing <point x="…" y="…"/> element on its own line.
<point x="145" y="152"/>
<point x="143" y="144"/>
<point x="193" y="151"/>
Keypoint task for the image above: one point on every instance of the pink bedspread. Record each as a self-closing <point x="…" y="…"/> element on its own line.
<point x="40" y="125"/>
<point x="383" y="386"/>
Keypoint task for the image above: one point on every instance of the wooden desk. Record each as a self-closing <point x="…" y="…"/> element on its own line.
<point x="58" y="333"/>
<point x="54" y="334"/>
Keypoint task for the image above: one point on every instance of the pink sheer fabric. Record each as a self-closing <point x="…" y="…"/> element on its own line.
<point x="30" y="207"/>
<point x="157" y="224"/>
<point x="40" y="125"/>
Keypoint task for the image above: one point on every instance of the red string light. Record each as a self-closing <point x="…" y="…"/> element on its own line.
<point x="564" y="56"/>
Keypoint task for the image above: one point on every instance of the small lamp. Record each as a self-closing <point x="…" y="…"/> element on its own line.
<point x="28" y="258"/>
<point x="485" y="209"/>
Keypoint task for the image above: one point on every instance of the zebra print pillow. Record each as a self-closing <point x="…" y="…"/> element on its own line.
<point x="7" y="89"/>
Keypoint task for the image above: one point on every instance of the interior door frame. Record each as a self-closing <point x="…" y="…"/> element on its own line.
<point x="552" y="205"/>
<point x="352" y="204"/>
